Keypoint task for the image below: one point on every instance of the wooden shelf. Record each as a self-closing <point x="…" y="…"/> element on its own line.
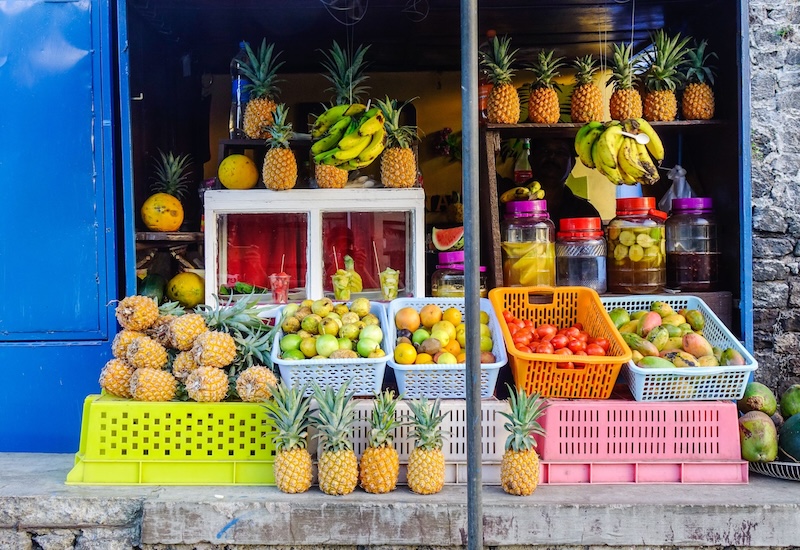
<point x="169" y="237"/>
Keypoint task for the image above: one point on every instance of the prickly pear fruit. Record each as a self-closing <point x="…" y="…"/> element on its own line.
<point x="662" y="308"/>
<point x="680" y="359"/>
<point x="695" y="319"/>
<point x="658" y="337"/>
<point x="707" y="361"/>
<point x="758" y="437"/>
<point x="637" y="343"/>
<point x="696" y="345"/>
<point x="731" y="357"/>
<point x="619" y="316"/>
<point x="654" y="363"/>
<point x="630" y="326"/>
<point x="675" y="319"/>
<point x="790" y="401"/>
<point x="758" y="397"/>
<point x="648" y="322"/>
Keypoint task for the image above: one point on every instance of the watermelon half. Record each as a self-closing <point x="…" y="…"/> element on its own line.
<point x="448" y="239"/>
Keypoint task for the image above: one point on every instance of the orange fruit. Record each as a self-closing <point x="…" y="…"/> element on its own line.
<point x="407" y="318"/>
<point x="429" y="315"/>
<point x="453" y="315"/>
<point x="423" y="359"/>
<point x="237" y="172"/>
<point x="162" y="212"/>
<point x="405" y="354"/>
<point x="453" y="347"/>
<point x="462" y="357"/>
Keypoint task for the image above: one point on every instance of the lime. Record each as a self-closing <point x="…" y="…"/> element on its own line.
<point x="620" y="252"/>
<point x="635" y="253"/>
<point x="627" y="237"/>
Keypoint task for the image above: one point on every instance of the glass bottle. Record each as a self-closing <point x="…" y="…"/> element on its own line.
<point x="448" y="279"/>
<point x="636" y="247"/>
<point x="522" y="167"/>
<point x="692" y="252"/>
<point x="240" y="95"/>
<point x="528" y="244"/>
<point x="581" y="254"/>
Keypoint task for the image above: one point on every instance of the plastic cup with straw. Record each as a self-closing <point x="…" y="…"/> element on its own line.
<point x="340" y="280"/>
<point x="390" y="278"/>
<point x="280" y="284"/>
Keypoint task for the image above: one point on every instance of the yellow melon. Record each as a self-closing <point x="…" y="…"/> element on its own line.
<point x="237" y="172"/>
<point x="187" y="288"/>
<point x="162" y="212"/>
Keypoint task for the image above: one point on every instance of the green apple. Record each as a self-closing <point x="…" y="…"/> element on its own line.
<point x="446" y="358"/>
<point x="420" y="335"/>
<point x="309" y="346"/>
<point x="326" y="344"/>
<point x="289" y="310"/>
<point x="366" y="346"/>
<point x="484" y="318"/>
<point x="371" y="332"/>
<point x="290" y="341"/>
<point x="350" y="330"/>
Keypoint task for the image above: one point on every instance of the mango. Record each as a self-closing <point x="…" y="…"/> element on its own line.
<point x="619" y="316"/>
<point x="686" y="328"/>
<point x="675" y="319"/>
<point x="695" y="319"/>
<point x="696" y="345"/>
<point x="648" y="322"/>
<point x="659" y="337"/>
<point x="630" y="326"/>
<point x="662" y="308"/>
<point x="680" y="359"/>
<point x="717" y="352"/>
<point x="675" y="343"/>
<point x="731" y="357"/>
<point x="672" y="329"/>
<point x="707" y="361"/>
<point x="758" y="437"/>
<point x="654" y="363"/>
<point x="758" y="397"/>
<point x="637" y="343"/>
<point x="636" y="356"/>
<point x="636" y="315"/>
<point x="682" y="311"/>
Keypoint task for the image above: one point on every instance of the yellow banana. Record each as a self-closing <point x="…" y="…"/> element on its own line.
<point x="628" y="160"/>
<point x="538" y="194"/>
<point x="534" y="186"/>
<point x="371" y="125"/>
<point x="350" y="137"/>
<point x="584" y="140"/>
<point x="607" y="145"/>
<point x="655" y="146"/>
<point x="516" y="194"/>
<point x="352" y="152"/>
<point x="355" y="109"/>
<point x="374" y="147"/>
<point x="651" y="175"/>
<point x="610" y="172"/>
<point x="332" y="137"/>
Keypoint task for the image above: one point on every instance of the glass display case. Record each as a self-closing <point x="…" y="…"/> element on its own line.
<point x="306" y="233"/>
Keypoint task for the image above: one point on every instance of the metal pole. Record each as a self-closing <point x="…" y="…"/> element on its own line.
<point x="470" y="179"/>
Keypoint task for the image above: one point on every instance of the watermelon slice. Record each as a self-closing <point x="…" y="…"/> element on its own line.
<point x="448" y="239"/>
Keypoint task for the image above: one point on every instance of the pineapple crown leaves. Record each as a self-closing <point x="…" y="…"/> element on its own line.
<point x="523" y="419"/>
<point x="279" y="131"/>
<point x="288" y="409"/>
<point x="383" y="420"/>
<point x="261" y="71"/>
<point x="345" y="73"/>
<point x="171" y="174"/>
<point x="585" y="67"/>
<point x="171" y="308"/>
<point x="334" y="418"/>
<point x="242" y="316"/>
<point x="698" y="68"/>
<point x="427" y="421"/>
<point x="545" y="70"/>
<point x="254" y="348"/>
<point x="396" y="135"/>
<point x="497" y="61"/>
<point x="623" y="75"/>
<point x="666" y="58"/>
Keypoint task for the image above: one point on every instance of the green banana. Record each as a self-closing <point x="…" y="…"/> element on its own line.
<point x="655" y="146"/>
<point x="374" y="147"/>
<point x="607" y="146"/>
<point x="351" y="137"/>
<point x="371" y="125"/>
<point x="651" y="175"/>
<point x="352" y="152"/>
<point x="325" y="156"/>
<point x="332" y="137"/>
<point x="327" y="119"/>
<point x="584" y="146"/>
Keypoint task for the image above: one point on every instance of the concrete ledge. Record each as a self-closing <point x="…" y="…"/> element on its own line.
<point x="34" y="502"/>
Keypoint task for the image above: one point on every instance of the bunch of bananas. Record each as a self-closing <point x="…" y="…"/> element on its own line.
<point x="348" y="136"/>
<point x="532" y="192"/>
<point x="620" y="158"/>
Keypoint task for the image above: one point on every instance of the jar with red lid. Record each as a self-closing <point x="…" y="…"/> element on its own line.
<point x="448" y="279"/>
<point x="528" y="244"/>
<point x="692" y="253"/>
<point x="637" y="247"/>
<point x="581" y="254"/>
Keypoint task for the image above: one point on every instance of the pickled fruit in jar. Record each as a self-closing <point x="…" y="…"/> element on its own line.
<point x="529" y="264"/>
<point x="627" y="237"/>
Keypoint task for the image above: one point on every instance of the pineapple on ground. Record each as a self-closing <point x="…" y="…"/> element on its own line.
<point x="426" y="463"/>
<point x="380" y="464"/>
<point x="261" y="70"/>
<point x="136" y="312"/>
<point x="519" y="469"/>
<point x="153" y="385"/>
<point x="502" y="105"/>
<point x="664" y="76"/>
<point x="288" y="410"/>
<point x="625" y="101"/>
<point x="398" y="165"/>
<point x="144" y="352"/>
<point x="115" y="378"/>
<point x="586" y="101"/>
<point x="280" y="164"/>
<point x="543" y="106"/>
<point x="338" y="465"/>
<point x="207" y="384"/>
<point x="697" y="102"/>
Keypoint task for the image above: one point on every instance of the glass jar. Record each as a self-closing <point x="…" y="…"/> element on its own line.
<point x="448" y="279"/>
<point x="528" y="244"/>
<point x="636" y="247"/>
<point x="581" y="254"/>
<point x="692" y="253"/>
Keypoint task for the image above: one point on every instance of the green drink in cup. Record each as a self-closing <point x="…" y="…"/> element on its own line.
<point x="341" y="284"/>
<point x="390" y="279"/>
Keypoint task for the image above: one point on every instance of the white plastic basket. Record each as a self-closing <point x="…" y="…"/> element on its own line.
<point x="687" y="384"/>
<point x="365" y="375"/>
<point x="445" y="381"/>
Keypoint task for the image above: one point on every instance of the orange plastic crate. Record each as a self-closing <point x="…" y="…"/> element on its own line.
<point x="548" y="374"/>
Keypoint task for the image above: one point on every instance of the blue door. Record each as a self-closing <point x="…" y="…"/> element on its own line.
<point x="59" y="246"/>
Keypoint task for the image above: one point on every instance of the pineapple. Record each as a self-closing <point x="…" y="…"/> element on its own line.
<point x="664" y="76"/>
<point x="136" y="312"/>
<point x="426" y="463"/>
<point x="254" y="382"/>
<point x="207" y="384"/>
<point x="380" y="464"/>
<point x="184" y="330"/>
<point x="697" y="102"/>
<point x="330" y="177"/>
<point x="144" y="352"/>
<point x="625" y="102"/>
<point x="586" y="101"/>
<point x="338" y="465"/>
<point x="153" y="385"/>
<point x="543" y="104"/>
<point x="214" y="348"/>
<point x="288" y="410"/>
<point x="261" y="71"/>
<point x="183" y="365"/>
<point x="502" y="105"/>
<point x="242" y="316"/>
<point x="172" y="174"/>
<point x="163" y="210"/>
<point x="159" y="330"/>
<point x="398" y="165"/>
<point x="280" y="164"/>
<point x="119" y="347"/>
<point x="519" y="469"/>
<point x="115" y="378"/>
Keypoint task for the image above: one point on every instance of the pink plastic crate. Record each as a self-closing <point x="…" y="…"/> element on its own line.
<point x="623" y="430"/>
<point x="729" y="472"/>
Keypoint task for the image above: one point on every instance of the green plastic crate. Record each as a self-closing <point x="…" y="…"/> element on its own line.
<point x="125" y="442"/>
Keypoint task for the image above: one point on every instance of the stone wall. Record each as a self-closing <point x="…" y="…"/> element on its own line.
<point x="775" y="107"/>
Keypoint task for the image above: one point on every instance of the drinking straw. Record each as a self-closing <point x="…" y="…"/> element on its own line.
<point x="375" y="251"/>
<point x="283" y="257"/>
<point x="335" y="259"/>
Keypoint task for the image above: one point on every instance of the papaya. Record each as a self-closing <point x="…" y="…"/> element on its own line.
<point x="662" y="308"/>
<point x="673" y="330"/>
<point x="619" y="316"/>
<point x="675" y="319"/>
<point x="758" y="437"/>
<point x="153" y="286"/>
<point x="758" y="397"/>
<point x="679" y="358"/>
<point x="636" y="356"/>
<point x="686" y="328"/>
<point x="707" y="361"/>
<point x="630" y="326"/>
<point x="675" y="343"/>
<point x="790" y="401"/>
<point x="636" y="315"/>
<point x="789" y="440"/>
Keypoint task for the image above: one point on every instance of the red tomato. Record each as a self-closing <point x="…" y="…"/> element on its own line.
<point x="572" y="332"/>
<point x="576" y="346"/>
<point x="567" y="365"/>
<point x="522" y="337"/>
<point x="559" y="341"/>
<point x="594" y="349"/>
<point x="546" y="330"/>
<point x="583" y="336"/>
<point x="528" y="323"/>
<point x="600" y="341"/>
<point x="578" y="326"/>
<point x="563" y="351"/>
<point x="512" y="329"/>
<point x="544" y="347"/>
<point x="523" y="347"/>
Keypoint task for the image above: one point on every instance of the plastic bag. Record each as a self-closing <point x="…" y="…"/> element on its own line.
<point x="680" y="188"/>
